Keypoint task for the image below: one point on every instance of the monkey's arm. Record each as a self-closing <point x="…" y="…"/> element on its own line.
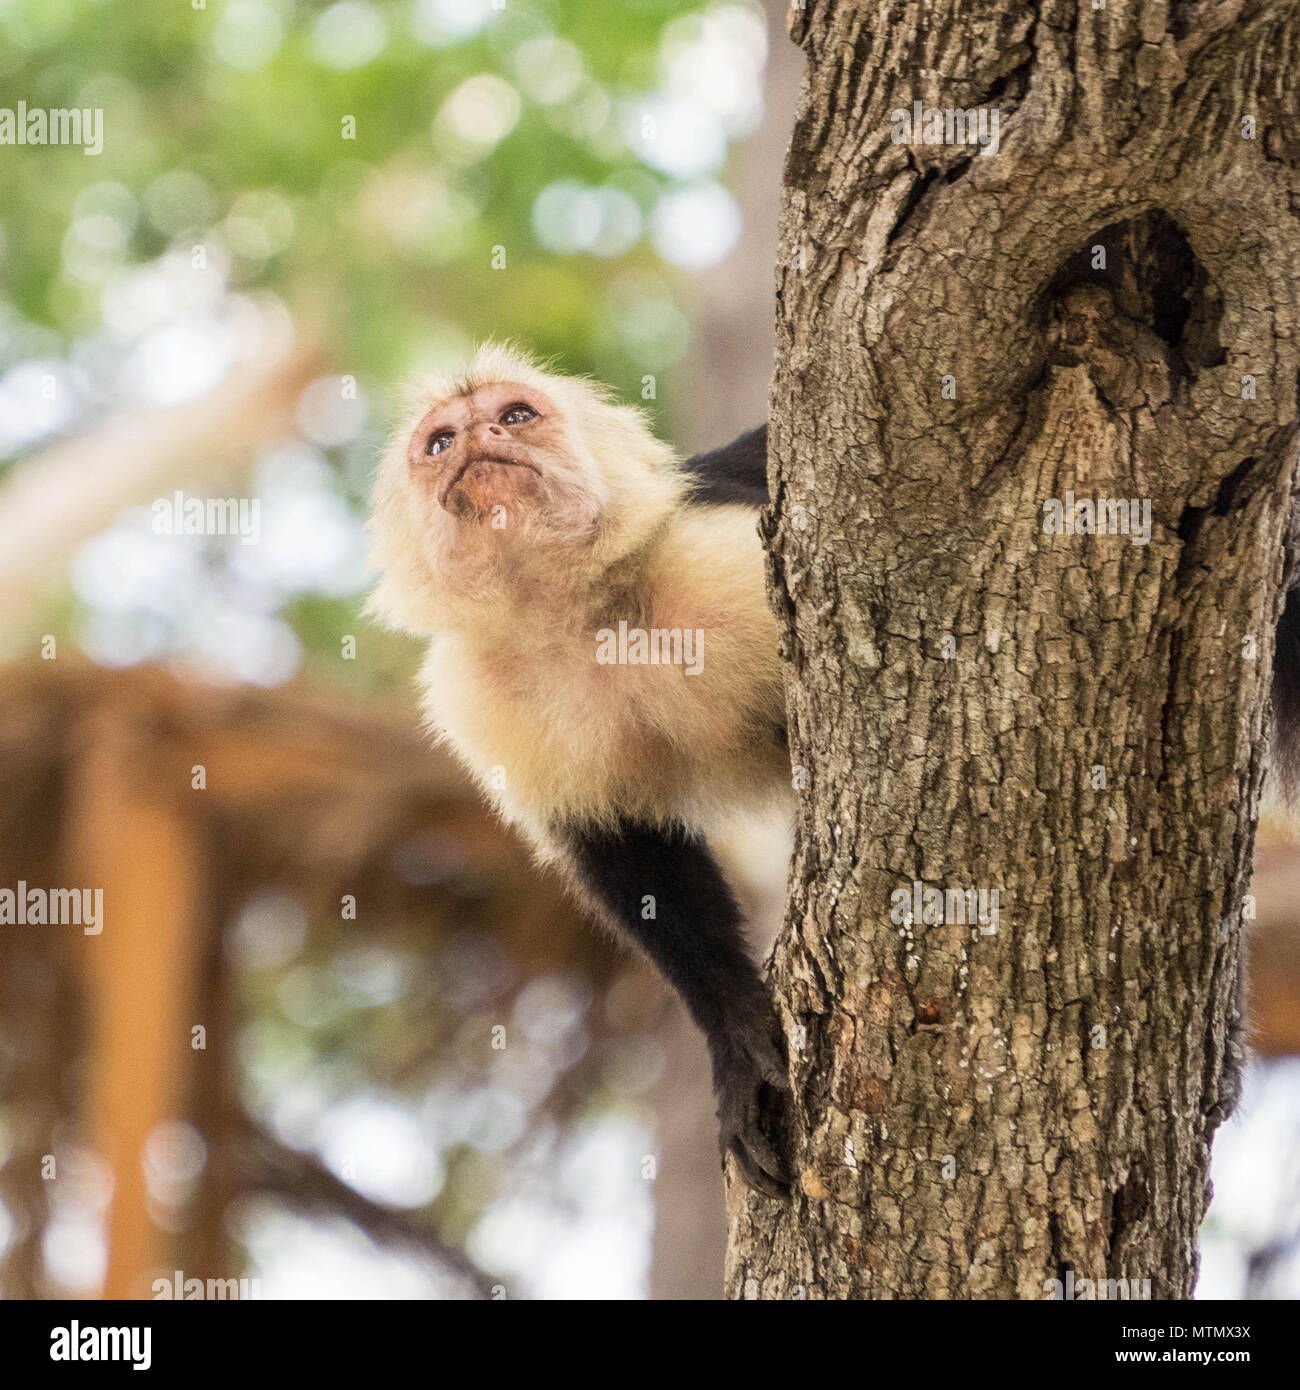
<point x="735" y="473"/>
<point x="664" y="888"/>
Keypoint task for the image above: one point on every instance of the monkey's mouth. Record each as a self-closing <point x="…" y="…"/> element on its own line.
<point x="480" y="462"/>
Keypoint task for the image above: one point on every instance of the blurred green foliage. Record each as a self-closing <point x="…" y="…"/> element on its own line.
<point x="404" y="177"/>
<point x="385" y="240"/>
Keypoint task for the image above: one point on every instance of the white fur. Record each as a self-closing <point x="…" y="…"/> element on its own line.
<point x="511" y="679"/>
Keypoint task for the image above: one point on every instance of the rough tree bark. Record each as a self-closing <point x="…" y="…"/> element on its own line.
<point x="977" y="1114"/>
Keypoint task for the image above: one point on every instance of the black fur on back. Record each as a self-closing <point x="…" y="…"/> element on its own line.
<point x="735" y="473"/>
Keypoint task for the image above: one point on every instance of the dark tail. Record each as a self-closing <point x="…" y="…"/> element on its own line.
<point x="1286" y="696"/>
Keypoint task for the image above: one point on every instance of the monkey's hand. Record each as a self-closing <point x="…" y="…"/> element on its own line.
<point x="753" y="1102"/>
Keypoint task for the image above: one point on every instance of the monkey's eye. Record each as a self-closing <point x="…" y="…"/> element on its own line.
<point x="518" y="414"/>
<point x="439" y="442"/>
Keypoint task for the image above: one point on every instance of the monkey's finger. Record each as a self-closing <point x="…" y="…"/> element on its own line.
<point x="772" y="1069"/>
<point x="766" y="1155"/>
<point x="755" y="1173"/>
<point x="766" y="1058"/>
<point x="759" y="1153"/>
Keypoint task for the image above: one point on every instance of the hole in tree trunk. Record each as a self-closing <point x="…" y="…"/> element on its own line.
<point x="1155" y="278"/>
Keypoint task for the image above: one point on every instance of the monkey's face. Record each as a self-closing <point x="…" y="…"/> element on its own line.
<point x="498" y="450"/>
<point x="511" y="485"/>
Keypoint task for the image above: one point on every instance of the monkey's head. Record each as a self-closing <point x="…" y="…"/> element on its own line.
<point x="507" y="479"/>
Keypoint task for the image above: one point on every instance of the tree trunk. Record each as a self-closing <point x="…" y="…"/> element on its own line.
<point x="1105" y="303"/>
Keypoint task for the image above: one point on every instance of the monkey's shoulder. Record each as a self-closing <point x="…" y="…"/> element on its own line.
<point x="667" y="699"/>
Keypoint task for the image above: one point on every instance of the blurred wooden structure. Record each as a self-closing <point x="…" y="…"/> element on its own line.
<point x="302" y="793"/>
<point x="1273" y="947"/>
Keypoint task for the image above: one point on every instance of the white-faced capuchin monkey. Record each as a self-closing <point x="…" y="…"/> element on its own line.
<point x="603" y="659"/>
